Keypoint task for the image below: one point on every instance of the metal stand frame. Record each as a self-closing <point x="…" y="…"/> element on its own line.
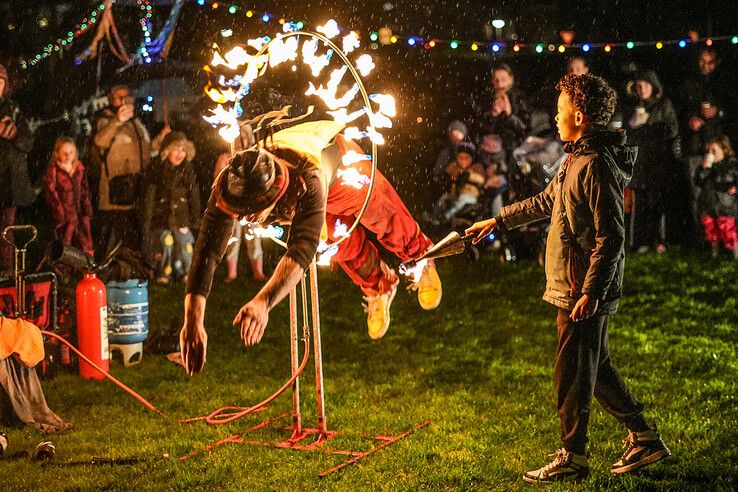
<point x="300" y="434"/>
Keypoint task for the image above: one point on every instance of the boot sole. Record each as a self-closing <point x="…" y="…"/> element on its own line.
<point x="568" y="478"/>
<point x="648" y="460"/>
<point x="389" y="305"/>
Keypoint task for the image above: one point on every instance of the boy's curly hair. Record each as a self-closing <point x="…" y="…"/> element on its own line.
<point x="591" y="95"/>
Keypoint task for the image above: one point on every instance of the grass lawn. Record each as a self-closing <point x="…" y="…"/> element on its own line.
<point x="479" y="368"/>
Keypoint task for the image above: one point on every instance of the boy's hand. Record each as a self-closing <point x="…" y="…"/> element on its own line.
<point x="584" y="308"/>
<point x="482" y="229"/>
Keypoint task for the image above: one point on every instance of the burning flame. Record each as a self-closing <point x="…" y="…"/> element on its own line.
<point x="352" y="157"/>
<point x="316" y="63"/>
<point x="281" y="51"/>
<point x="386" y="104"/>
<point x="340" y="229"/>
<point x="378" y="120"/>
<point x="365" y="65"/>
<point x="351" y="177"/>
<point x="415" y="272"/>
<point x="325" y="253"/>
<point x="342" y="116"/>
<point x="351" y="42"/>
<point x="330" y="29"/>
<point x="328" y="94"/>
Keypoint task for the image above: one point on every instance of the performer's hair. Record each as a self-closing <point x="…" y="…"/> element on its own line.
<point x="591" y="95"/>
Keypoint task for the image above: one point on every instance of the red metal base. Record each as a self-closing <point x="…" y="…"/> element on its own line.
<point x="319" y="438"/>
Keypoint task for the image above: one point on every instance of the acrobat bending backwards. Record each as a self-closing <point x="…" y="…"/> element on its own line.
<point x="295" y="181"/>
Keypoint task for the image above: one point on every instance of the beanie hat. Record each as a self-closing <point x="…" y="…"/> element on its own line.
<point x="173" y="139"/>
<point x="253" y="181"/>
<point x="458" y="126"/>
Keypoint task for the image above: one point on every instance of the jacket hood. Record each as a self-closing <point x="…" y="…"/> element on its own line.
<point x="650" y="77"/>
<point x="611" y="145"/>
<point x="177" y="138"/>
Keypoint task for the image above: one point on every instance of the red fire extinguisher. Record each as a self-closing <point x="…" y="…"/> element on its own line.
<point x="92" y="325"/>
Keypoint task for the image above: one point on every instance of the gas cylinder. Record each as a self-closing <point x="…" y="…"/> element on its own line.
<point x="92" y="325"/>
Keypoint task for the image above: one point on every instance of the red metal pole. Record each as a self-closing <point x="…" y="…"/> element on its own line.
<point x="294" y="347"/>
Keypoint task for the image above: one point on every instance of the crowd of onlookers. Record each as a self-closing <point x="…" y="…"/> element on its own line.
<point x="685" y="175"/>
<point x="134" y="191"/>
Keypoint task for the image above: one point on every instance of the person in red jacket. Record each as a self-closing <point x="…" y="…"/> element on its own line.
<point x="68" y="194"/>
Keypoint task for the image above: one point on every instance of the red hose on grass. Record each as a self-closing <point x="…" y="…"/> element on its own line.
<point x="226" y="415"/>
<point x="128" y="390"/>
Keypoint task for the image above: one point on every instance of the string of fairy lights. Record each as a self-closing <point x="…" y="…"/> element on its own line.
<point x="379" y="37"/>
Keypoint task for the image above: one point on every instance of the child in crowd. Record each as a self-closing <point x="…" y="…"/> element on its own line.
<point x="467" y="183"/>
<point x="253" y="246"/>
<point x="717" y="204"/>
<point x="171" y="208"/>
<point x="67" y="193"/>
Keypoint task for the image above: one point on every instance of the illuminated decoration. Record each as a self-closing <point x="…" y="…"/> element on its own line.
<point x="630" y="45"/>
<point x="562" y="48"/>
<point x="474" y="46"/>
<point x="498" y="23"/>
<point x="516" y="48"/>
<point x="608" y="48"/>
<point x="232" y="9"/>
<point x="734" y="40"/>
<point x="682" y="43"/>
<point x="453" y="44"/>
<point x="585" y="47"/>
<point x="495" y="47"/>
<point x="659" y="45"/>
<point x="539" y="48"/>
<point x="346" y="103"/>
<point x="265" y="17"/>
<point x="412" y="41"/>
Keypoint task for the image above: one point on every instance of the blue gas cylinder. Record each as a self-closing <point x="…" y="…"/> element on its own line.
<point x="128" y="311"/>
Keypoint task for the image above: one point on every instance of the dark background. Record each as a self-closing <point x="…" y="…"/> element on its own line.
<point x="437" y="85"/>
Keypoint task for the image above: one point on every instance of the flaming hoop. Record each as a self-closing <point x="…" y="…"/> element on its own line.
<point x="284" y="47"/>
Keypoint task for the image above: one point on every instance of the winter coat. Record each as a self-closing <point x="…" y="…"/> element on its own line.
<point x="14" y="179"/>
<point x="657" y="140"/>
<point x="68" y="197"/>
<point x="119" y="156"/>
<point x="171" y="197"/>
<point x="714" y="199"/>
<point x="586" y="240"/>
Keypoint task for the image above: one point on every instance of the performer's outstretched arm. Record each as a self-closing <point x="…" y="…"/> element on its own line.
<point x="254" y="315"/>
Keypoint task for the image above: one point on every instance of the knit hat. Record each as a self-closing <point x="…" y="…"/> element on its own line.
<point x="253" y="181"/>
<point x="172" y="140"/>
<point x="458" y="126"/>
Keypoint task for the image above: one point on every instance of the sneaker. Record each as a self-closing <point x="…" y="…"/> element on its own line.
<point x="565" y="467"/>
<point x="378" y="312"/>
<point x="641" y="449"/>
<point x="429" y="288"/>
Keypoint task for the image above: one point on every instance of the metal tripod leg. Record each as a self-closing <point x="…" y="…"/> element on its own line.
<point x="318" y="354"/>
<point x="296" y="416"/>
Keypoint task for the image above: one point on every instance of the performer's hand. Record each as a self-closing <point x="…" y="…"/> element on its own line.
<point x="482" y="229"/>
<point x="253" y="318"/>
<point x="584" y="308"/>
<point x="193" y="339"/>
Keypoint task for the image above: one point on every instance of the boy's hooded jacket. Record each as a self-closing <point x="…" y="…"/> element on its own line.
<point x="585" y="251"/>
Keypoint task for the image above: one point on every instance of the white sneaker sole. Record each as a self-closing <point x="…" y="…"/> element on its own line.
<point x="650" y="459"/>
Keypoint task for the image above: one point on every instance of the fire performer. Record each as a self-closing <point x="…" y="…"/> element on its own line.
<point x="584" y="274"/>
<point x="297" y="181"/>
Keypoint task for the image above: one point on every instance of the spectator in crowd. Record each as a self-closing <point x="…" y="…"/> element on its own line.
<point x="120" y="153"/>
<point x="702" y="100"/>
<point x="467" y="180"/>
<point x="67" y="193"/>
<point x="456" y="133"/>
<point x="577" y="65"/>
<point x="717" y="205"/>
<point x="584" y="276"/>
<point x="508" y="116"/>
<point x="652" y="126"/>
<point x="16" y="190"/>
<point x="171" y="208"/>
<point x="492" y="156"/>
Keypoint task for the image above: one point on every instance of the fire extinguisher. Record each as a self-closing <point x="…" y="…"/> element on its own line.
<point x="92" y="325"/>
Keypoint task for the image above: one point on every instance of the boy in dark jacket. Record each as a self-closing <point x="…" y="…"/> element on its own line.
<point x="171" y="208"/>
<point x="584" y="274"/>
<point x="717" y="204"/>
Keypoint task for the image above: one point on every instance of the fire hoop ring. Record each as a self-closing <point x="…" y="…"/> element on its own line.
<point x="367" y="107"/>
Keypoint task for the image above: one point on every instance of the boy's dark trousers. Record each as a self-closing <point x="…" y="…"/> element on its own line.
<point x="583" y="368"/>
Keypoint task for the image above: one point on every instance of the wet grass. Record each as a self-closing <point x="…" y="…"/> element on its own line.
<point x="479" y="368"/>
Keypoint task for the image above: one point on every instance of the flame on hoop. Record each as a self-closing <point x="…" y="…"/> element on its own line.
<point x="352" y="157"/>
<point x="330" y="29"/>
<point x="352" y="177"/>
<point x="415" y="272"/>
<point x="351" y="42"/>
<point x="365" y="64"/>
